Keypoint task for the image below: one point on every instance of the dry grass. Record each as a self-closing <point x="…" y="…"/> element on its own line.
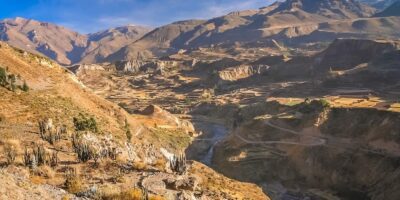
<point x="113" y="193"/>
<point x="160" y="164"/>
<point x="44" y="171"/>
<point x="11" y="149"/>
<point x="140" y="165"/>
<point x="74" y="183"/>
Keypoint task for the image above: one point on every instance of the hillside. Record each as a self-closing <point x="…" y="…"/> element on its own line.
<point x="392" y="10"/>
<point x="379" y="4"/>
<point x="63" y="45"/>
<point x="315" y="151"/>
<point x="67" y="159"/>
<point x="290" y="19"/>
<point x="155" y="43"/>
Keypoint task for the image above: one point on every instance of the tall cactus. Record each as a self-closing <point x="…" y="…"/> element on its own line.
<point x="178" y="163"/>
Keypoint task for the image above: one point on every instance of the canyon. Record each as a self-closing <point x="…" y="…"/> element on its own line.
<point x="294" y="100"/>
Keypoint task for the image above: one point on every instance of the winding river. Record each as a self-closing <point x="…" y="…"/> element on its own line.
<point x="202" y="148"/>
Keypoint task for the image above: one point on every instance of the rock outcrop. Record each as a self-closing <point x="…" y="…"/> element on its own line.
<point x="241" y="72"/>
<point x="136" y="66"/>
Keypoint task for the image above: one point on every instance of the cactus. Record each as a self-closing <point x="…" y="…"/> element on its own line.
<point x="178" y="163"/>
<point x="82" y="149"/>
<point x="54" y="159"/>
<point x="40" y="155"/>
<point x="11" y="153"/>
<point x="27" y="158"/>
<point x="145" y="194"/>
<point x="47" y="132"/>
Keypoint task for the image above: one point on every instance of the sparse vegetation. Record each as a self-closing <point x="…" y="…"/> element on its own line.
<point x="73" y="182"/>
<point x="85" y="123"/>
<point x="25" y="87"/>
<point x="38" y="156"/>
<point x="128" y="132"/>
<point x="83" y="150"/>
<point x="9" y="81"/>
<point x="10" y="151"/>
<point x="130" y="194"/>
<point x="176" y="139"/>
<point x="93" y="148"/>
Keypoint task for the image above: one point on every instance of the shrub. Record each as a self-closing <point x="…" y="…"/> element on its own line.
<point x="139" y="165"/>
<point x="10" y="153"/>
<point x="44" y="171"/>
<point x="128" y="132"/>
<point x="3" y="77"/>
<point x="25" y="87"/>
<point x="11" y="149"/>
<point x="73" y="183"/>
<point x="156" y="197"/>
<point x="84" y="123"/>
<point x="130" y="194"/>
<point x="324" y="103"/>
<point x="160" y="164"/>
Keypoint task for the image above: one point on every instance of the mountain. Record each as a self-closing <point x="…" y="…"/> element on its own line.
<point x="393" y="10"/>
<point x="379" y="4"/>
<point x="156" y="42"/>
<point x="56" y="42"/>
<point x="104" y="43"/>
<point x="250" y="26"/>
<point x="63" y="45"/>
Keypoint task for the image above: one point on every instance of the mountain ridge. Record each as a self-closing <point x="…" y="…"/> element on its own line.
<point x="64" y="45"/>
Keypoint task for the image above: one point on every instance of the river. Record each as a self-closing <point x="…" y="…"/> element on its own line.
<point x="202" y="148"/>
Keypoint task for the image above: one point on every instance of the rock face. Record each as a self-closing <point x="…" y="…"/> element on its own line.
<point x="136" y="66"/>
<point x="84" y="68"/>
<point x="63" y="45"/>
<point x="241" y="72"/>
<point x="322" y="148"/>
<point x="344" y="54"/>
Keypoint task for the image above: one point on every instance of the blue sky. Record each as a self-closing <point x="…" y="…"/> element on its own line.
<point x="93" y="15"/>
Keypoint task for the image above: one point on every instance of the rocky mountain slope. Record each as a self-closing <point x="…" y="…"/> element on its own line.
<point x="292" y="24"/>
<point x="392" y="10"/>
<point x="379" y="4"/>
<point x="63" y="45"/>
<point x="67" y="160"/>
<point x="282" y="21"/>
<point x="315" y="151"/>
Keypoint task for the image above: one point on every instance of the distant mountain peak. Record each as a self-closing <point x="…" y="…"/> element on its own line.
<point x="337" y="8"/>
<point x="63" y="45"/>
